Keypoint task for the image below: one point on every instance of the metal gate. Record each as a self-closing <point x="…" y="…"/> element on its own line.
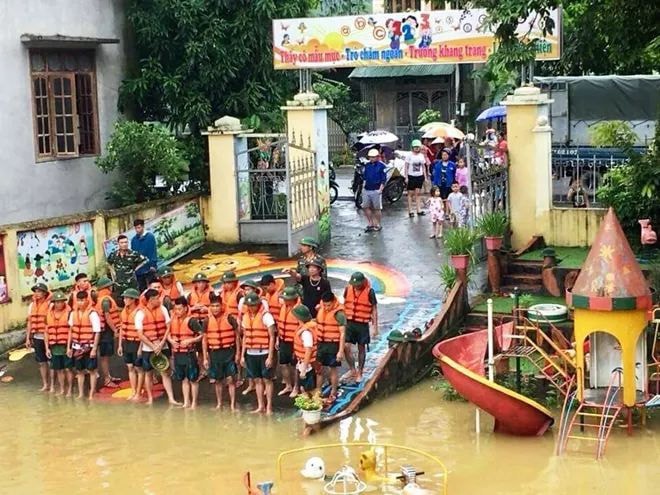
<point x="303" y="212"/>
<point x="276" y="184"/>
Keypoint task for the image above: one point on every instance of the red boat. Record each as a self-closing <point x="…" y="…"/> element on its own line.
<point x="462" y="362"/>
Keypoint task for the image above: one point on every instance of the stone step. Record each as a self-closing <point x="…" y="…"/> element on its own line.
<point x="522" y="266"/>
<point x="522" y="279"/>
<point x="522" y="288"/>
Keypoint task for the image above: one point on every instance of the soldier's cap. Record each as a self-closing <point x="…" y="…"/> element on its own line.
<point x="59" y="297"/>
<point x="357" y="278"/>
<point x="250" y="283"/>
<point x="252" y="299"/>
<point x="316" y="261"/>
<point x="200" y="277"/>
<point x="131" y="293"/>
<point x="289" y="294"/>
<point x="229" y="277"/>
<point x="309" y="241"/>
<point x="302" y="313"/>
<point x="266" y="280"/>
<point x="40" y="286"/>
<point x="104" y="282"/>
<point x="164" y="271"/>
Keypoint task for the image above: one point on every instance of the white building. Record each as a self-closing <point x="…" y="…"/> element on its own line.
<point x="63" y="63"/>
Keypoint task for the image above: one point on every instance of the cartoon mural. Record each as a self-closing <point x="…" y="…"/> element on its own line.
<point x="178" y="232"/>
<point x="55" y="255"/>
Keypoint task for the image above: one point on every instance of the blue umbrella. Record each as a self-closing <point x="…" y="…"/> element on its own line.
<point x="492" y="113"/>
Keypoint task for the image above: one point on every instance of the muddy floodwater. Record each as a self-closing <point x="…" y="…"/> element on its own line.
<point x="61" y="446"/>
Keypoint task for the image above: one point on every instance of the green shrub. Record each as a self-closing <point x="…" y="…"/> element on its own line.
<point x="493" y="224"/>
<point x="460" y="241"/>
<point x="306" y="402"/>
<point x="139" y="153"/>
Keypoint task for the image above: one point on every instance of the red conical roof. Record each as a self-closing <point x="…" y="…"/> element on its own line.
<point x="611" y="278"/>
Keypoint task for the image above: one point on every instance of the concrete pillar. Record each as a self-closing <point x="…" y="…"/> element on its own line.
<point x="530" y="175"/>
<point x="224" y="208"/>
<point x="307" y="127"/>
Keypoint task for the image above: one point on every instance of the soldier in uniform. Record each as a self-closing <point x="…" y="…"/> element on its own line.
<point x="124" y="263"/>
<point x="308" y="252"/>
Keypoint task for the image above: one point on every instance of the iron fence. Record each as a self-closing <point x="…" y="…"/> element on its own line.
<point x="262" y="178"/>
<point x="268" y="195"/>
<point x="577" y="173"/>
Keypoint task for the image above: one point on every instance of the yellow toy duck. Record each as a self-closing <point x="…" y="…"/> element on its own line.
<point x="368" y="468"/>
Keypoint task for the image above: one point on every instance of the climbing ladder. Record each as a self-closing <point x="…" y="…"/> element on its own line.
<point x="546" y="353"/>
<point x="591" y="421"/>
<point x="654" y="365"/>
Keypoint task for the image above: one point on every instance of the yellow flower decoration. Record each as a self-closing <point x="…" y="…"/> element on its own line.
<point x="606" y="252"/>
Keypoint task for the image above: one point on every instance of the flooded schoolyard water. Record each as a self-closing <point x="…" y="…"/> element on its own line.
<point x="55" y="445"/>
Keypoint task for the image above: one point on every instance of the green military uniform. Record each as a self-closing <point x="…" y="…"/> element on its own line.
<point x="301" y="267"/>
<point x="124" y="269"/>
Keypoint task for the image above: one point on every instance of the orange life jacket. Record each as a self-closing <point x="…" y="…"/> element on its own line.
<point x="37" y="316"/>
<point x="143" y="299"/>
<point x="230" y="300"/>
<point x="298" y="347"/>
<point x="256" y="333"/>
<point x="172" y="291"/>
<point x="128" y="324"/>
<point x="180" y="331"/>
<point x="357" y="306"/>
<point x="199" y="303"/>
<point x="328" y="328"/>
<point x="90" y="298"/>
<point x="81" y="328"/>
<point x="57" y="324"/>
<point x="102" y="295"/>
<point x="274" y="301"/>
<point x="154" y="325"/>
<point x="287" y="324"/>
<point x="220" y="334"/>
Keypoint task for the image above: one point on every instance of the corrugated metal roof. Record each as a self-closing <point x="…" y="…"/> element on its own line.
<point x="402" y="71"/>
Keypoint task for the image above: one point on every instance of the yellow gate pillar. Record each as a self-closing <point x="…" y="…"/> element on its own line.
<point x="530" y="176"/>
<point x="225" y="142"/>
<point x="307" y="127"/>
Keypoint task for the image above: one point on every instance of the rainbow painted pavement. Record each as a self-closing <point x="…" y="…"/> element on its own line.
<point x="391" y="286"/>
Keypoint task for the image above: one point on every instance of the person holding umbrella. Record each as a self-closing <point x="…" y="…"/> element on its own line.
<point x="415" y="174"/>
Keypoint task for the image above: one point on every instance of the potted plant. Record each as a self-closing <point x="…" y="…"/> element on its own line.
<point x="459" y="243"/>
<point x="493" y="226"/>
<point x="448" y="278"/>
<point x="311" y="406"/>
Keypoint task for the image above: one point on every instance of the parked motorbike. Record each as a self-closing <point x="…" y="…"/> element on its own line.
<point x="393" y="190"/>
<point x="334" y="187"/>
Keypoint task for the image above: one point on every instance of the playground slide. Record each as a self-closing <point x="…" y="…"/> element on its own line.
<point x="462" y="362"/>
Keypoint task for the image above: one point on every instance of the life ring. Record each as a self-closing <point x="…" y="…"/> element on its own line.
<point x="542" y="313"/>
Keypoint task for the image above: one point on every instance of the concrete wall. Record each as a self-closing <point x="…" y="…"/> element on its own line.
<point x="573" y="226"/>
<point x="106" y="224"/>
<point x="31" y="190"/>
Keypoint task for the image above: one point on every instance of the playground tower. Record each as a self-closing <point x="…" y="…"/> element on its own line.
<point x="611" y="298"/>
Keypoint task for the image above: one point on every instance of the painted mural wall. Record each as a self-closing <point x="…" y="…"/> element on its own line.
<point x="55" y="255"/>
<point x="178" y="232"/>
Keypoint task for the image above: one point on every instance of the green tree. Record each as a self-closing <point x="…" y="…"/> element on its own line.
<point x="429" y="115"/>
<point x="162" y="229"/>
<point x="348" y="113"/>
<point x="615" y="133"/>
<point x="609" y="37"/>
<point x="632" y="189"/>
<point x="139" y="153"/>
<point x="200" y="59"/>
